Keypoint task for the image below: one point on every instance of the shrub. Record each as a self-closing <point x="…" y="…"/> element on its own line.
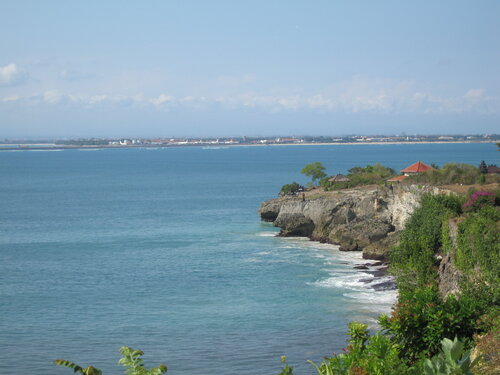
<point x="479" y="199"/>
<point x="421" y="319"/>
<point x="131" y="359"/>
<point x="371" y="174"/>
<point x="290" y="188"/>
<point x="364" y="355"/>
<point x="287" y="370"/>
<point x="451" y="360"/>
<point x="451" y="173"/>
<point x="478" y="245"/>
<point x="421" y="240"/>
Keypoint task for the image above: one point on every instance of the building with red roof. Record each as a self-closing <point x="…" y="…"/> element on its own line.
<point x="415" y="168"/>
<point x="397" y="179"/>
<point x="493" y="169"/>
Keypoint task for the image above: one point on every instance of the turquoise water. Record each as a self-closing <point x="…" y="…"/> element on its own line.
<point x="163" y="250"/>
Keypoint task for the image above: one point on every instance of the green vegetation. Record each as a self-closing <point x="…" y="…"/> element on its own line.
<point x="478" y="244"/>
<point x="417" y="337"/>
<point x="314" y="170"/>
<point x="429" y="332"/>
<point x="451" y="173"/>
<point x="415" y="257"/>
<point x="365" y="355"/>
<point x="369" y="175"/>
<point x="290" y="188"/>
<point x="422" y="317"/>
<point x="287" y="370"/>
<point x="452" y="360"/>
<point x="131" y="360"/>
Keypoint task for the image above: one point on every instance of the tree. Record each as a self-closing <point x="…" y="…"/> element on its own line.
<point x="483" y="168"/>
<point x="314" y="170"/>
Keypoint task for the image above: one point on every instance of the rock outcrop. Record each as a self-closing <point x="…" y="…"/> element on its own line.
<point x="366" y="218"/>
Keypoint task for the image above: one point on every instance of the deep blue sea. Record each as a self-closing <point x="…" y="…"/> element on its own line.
<point x="163" y="250"/>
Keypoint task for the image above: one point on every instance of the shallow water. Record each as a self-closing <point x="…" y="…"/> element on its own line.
<point x="163" y="250"/>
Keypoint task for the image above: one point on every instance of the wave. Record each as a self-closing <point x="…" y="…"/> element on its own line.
<point x="370" y="290"/>
<point x="58" y="150"/>
<point x="267" y="234"/>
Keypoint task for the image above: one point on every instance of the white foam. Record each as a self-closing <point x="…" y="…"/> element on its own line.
<point x="344" y="281"/>
<point x="343" y="277"/>
<point x="267" y="234"/>
<point x="43" y="150"/>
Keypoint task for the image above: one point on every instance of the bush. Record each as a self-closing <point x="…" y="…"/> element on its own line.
<point x="451" y="360"/>
<point x="414" y="259"/>
<point x="371" y="174"/>
<point x="131" y="359"/>
<point x="478" y="245"/>
<point x="365" y="355"/>
<point x="421" y="319"/>
<point x="451" y="173"/>
<point x="290" y="188"/>
<point x="479" y="199"/>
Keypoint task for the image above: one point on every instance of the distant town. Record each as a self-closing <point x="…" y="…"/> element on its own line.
<point x="12" y="144"/>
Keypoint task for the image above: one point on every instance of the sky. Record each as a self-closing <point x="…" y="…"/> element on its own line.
<point x="233" y="68"/>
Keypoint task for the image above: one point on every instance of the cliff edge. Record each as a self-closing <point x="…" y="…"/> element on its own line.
<point x="366" y="218"/>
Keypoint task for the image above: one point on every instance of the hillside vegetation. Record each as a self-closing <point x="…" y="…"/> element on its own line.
<point x="431" y="332"/>
<point x="447" y="268"/>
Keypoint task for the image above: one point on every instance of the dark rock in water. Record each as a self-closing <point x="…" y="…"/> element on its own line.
<point x="367" y="280"/>
<point x="349" y="247"/>
<point x="378" y="273"/>
<point x="386" y="285"/>
<point x="377" y="264"/>
<point x="360" y="267"/>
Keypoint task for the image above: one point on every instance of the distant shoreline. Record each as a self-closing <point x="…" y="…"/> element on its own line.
<point x="39" y="147"/>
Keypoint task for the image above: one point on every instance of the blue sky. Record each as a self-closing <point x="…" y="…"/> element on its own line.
<point x="202" y="68"/>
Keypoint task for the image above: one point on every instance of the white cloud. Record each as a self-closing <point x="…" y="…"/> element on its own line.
<point x="52" y="97"/>
<point x="162" y="99"/>
<point x="355" y="96"/>
<point x="11" y="75"/>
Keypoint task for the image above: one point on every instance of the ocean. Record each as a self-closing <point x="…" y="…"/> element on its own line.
<point x="163" y="250"/>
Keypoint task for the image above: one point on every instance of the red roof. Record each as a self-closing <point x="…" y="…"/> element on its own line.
<point x="416" y="168"/>
<point x="493" y="169"/>
<point x="396" y="179"/>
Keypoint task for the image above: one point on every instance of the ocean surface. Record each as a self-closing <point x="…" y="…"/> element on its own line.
<point x="163" y="250"/>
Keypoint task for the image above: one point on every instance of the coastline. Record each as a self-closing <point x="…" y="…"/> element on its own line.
<point x="52" y="147"/>
<point x="366" y="283"/>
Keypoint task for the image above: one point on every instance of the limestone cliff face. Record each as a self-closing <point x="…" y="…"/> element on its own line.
<point x="449" y="277"/>
<point x="364" y="218"/>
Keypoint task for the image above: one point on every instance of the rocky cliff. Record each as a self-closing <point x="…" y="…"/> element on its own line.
<point x="365" y="218"/>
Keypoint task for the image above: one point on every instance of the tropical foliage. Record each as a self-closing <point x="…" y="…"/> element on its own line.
<point x="451" y="173"/>
<point x="369" y="175"/>
<point x="290" y="188"/>
<point x="428" y="332"/>
<point x="314" y="170"/>
<point x="131" y="360"/>
<point x="452" y="360"/>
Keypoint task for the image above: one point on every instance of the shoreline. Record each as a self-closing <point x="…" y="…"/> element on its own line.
<point x="50" y="147"/>
<point x="367" y="283"/>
